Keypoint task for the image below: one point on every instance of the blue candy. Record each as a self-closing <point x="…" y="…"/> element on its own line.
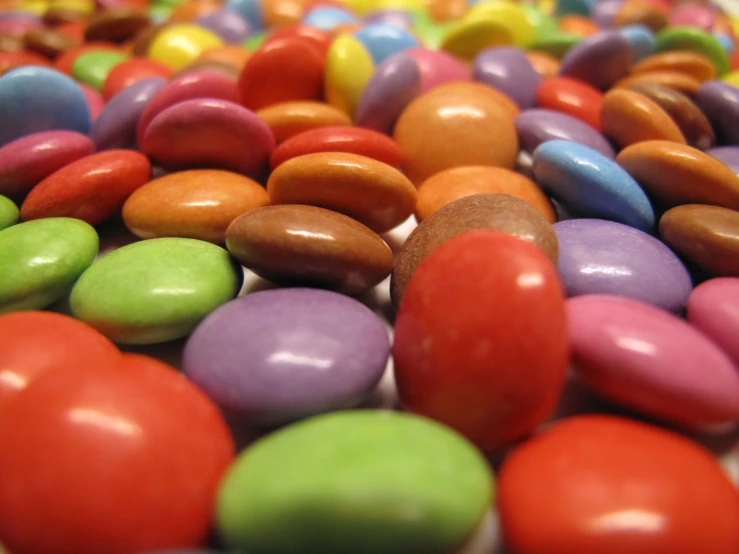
<point x="251" y="10"/>
<point x="642" y="41"/>
<point x="591" y="185"/>
<point x="382" y="40"/>
<point x="327" y="18"/>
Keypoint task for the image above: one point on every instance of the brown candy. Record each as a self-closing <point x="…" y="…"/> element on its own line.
<point x="693" y="124"/>
<point x="629" y="117"/>
<point x="11" y="43"/>
<point x="143" y="39"/>
<point x="48" y="42"/>
<point x="707" y="236"/>
<point x="308" y="246"/>
<point x="499" y="212"/>
<point x="637" y="12"/>
<point x="56" y="15"/>
<point x="116" y="25"/>
<point x="688" y="63"/>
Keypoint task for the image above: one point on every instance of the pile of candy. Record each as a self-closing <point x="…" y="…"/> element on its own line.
<point x="369" y="276"/>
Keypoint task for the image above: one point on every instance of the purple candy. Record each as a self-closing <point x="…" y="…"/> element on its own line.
<point x="536" y="126"/>
<point x="278" y="355"/>
<point x="510" y="71"/>
<point x="600" y="59"/>
<point x="400" y="19"/>
<point x="720" y="102"/>
<point x="605" y="12"/>
<point x="227" y="24"/>
<point x="395" y="83"/>
<point x="728" y="155"/>
<point x="116" y="125"/>
<point x="605" y="257"/>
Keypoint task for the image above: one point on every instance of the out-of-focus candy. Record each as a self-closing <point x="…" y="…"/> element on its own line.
<point x="382" y="40"/>
<point x="510" y="71"/>
<point x="93" y="68"/>
<point x="571" y="97"/>
<point x="694" y="65"/>
<point x="720" y="102"/>
<point x="349" y="67"/>
<point x="132" y="71"/>
<point x="712" y="308"/>
<point x="9" y="213"/>
<point x="599" y="60"/>
<point x="116" y="25"/>
<point x="437" y="68"/>
<point x="289" y="119"/>
<point x="227" y="24"/>
<point x="641" y="39"/>
<point x="694" y="40"/>
<point x="728" y="155"/>
<point x="178" y="45"/>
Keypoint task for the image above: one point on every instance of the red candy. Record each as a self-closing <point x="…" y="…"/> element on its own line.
<point x="132" y="71"/>
<point x="480" y="338"/>
<point x="352" y="140"/>
<point x="572" y="97"/>
<point x="606" y="485"/>
<point x="285" y="69"/>
<point x="318" y="38"/>
<point x="91" y="189"/>
<point x="115" y="457"/>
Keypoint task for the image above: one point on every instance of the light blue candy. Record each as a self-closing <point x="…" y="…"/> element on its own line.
<point x="591" y="185"/>
<point x="726" y="42"/>
<point x="251" y="10"/>
<point x="34" y="99"/>
<point x="579" y="7"/>
<point x="327" y="18"/>
<point x="642" y="41"/>
<point x="383" y="40"/>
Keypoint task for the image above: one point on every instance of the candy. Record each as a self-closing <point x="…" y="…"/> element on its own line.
<point x="382" y="40"/>
<point x="571" y="97"/>
<point x="607" y="485"/>
<point x="42" y="260"/>
<point x="308" y="352"/>
<point x="437" y="68"/>
<point x="641" y="39"/>
<point x="728" y="155"/>
<point x="227" y="24"/>
<point x="600" y="60"/>
<point x="349" y="67"/>
<point x="156" y="290"/>
<point x="674" y="79"/>
<point x="289" y="119"/>
<point x="690" y="63"/>
<point x="116" y="25"/>
<point x="9" y="213"/>
<point x="465" y="378"/>
<point x="131" y="71"/>
<point x="92" y="68"/>
<point x="508" y="70"/>
<point x="48" y="42"/>
<point x="198" y="204"/>
<point x="537" y="126"/>
<point x="449" y="493"/>
<point x="694" y="40"/>
<point x="178" y="45"/>
<point x="712" y="308"/>
<point x="720" y="102"/>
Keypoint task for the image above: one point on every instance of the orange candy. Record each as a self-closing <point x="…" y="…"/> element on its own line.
<point x="291" y="118"/>
<point x="229" y="54"/>
<point x="577" y="25"/>
<point x="573" y="97"/>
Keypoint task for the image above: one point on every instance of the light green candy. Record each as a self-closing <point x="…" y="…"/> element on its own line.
<point x="256" y="40"/>
<point x="155" y="290"/>
<point x="429" y="31"/>
<point x="556" y="44"/>
<point x="365" y="482"/>
<point x="40" y="261"/>
<point x="93" y="68"/>
<point x="694" y="40"/>
<point x="8" y="212"/>
<point x="543" y="24"/>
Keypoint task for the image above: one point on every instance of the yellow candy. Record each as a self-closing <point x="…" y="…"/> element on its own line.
<point x="732" y="77"/>
<point x="180" y="45"/>
<point x="367" y="6"/>
<point x="36" y="7"/>
<point x="508" y="15"/>
<point x="348" y="68"/>
<point x="82" y="6"/>
<point x="547" y="6"/>
<point x="465" y="39"/>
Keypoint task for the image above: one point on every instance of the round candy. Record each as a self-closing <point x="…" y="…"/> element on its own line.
<point x="679" y="81"/>
<point x="605" y="257"/>
<point x="712" y="308"/>
<point x="448" y="495"/>
<point x="227" y="24"/>
<point x="349" y="67"/>
<point x="591" y="185"/>
<point x="571" y="97"/>
<point x="641" y="38"/>
<point x="92" y="68"/>
<point x="9" y="213"/>
<point x="437" y="68"/>
<point x="91" y="189"/>
<point x="536" y="126"/>
<point x="178" y="45"/>
<point x="694" y="40"/>
<point x="610" y="485"/>
<point x="131" y="71"/>
<point x="198" y="204"/>
<point x="694" y="65"/>
<point x="382" y="40"/>
<point x="34" y="99"/>
<point x="156" y="290"/>
<point x="42" y="260"/>
<point x="508" y="70"/>
<point x="458" y="334"/>
<point x="117" y="24"/>
<point x="600" y="60"/>
<point x="308" y="352"/>
<point x="292" y="118"/>
<point x="94" y="100"/>
<point x="720" y="102"/>
<point x="629" y="117"/>
<point x="116" y="431"/>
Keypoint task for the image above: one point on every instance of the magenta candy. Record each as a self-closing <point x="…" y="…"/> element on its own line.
<point x="713" y="307"/>
<point x="437" y="68"/>
<point x="693" y="15"/>
<point x="29" y="160"/>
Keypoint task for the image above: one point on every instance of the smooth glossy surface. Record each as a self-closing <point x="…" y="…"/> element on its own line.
<point x="720" y="102"/>
<point x="713" y="307"/>
<point x="694" y="40"/>
<point x="477" y="379"/>
<point x="689" y="63"/>
<point x="9" y="213"/>
<point x="508" y="70"/>
<point x="308" y="352"/>
<point x="629" y="117"/>
<point x="600" y="60"/>
<point x="180" y="44"/>
<point x="92" y="68"/>
<point x="572" y="97"/>
<point x="288" y="119"/>
<point x="349" y="67"/>
<point x="537" y="126"/>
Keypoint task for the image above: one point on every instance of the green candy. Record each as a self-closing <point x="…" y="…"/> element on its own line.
<point x="155" y="290"/>
<point x="694" y="40"/>
<point x="256" y="40"/>
<point x="429" y="31"/>
<point x="543" y="24"/>
<point x="365" y="482"/>
<point x="40" y="260"/>
<point x="556" y="44"/>
<point x="92" y="68"/>
<point x="8" y="212"/>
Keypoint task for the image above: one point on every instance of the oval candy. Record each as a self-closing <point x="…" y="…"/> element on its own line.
<point x="288" y="119"/>
<point x="713" y="308"/>
<point x="9" y="213"/>
<point x="720" y="102"/>
<point x="572" y="97"/>
<point x="600" y="59"/>
<point x="536" y="126"/>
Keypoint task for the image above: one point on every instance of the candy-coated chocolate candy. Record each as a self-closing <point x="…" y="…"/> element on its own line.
<point x="712" y="308"/>
<point x="131" y="71"/>
<point x="693" y="124"/>
<point x="679" y="81"/>
<point x="581" y="7"/>
<point x="116" y="126"/>
<point x="178" y="45"/>
<point x="92" y="68"/>
<point x="510" y="15"/>
<point x="572" y="97"/>
<point x="91" y="189"/>
<point x="437" y="68"/>
<point x="13" y="60"/>
<point x="28" y="160"/>
<point x="603" y="484"/>
<point x="578" y="25"/>
<point x="34" y="99"/>
<point x="453" y="126"/>
<point x="402" y="19"/>
<point x="467" y="37"/>
<point x="500" y="212"/>
<point x="449" y="493"/>
<point x="382" y="40"/>
<point x="536" y="126"/>
<point x="676" y="374"/>
<point x="694" y="65"/>
<point x="42" y="260"/>
<point x="591" y="185"/>
<point x="205" y="66"/>
<point x="556" y="44"/>
<point x="645" y="14"/>
<point x="207" y="132"/>
<point x="116" y="24"/>
<point x="508" y="70"/>
<point x="155" y="290"/>
<point x="289" y="119"/>
<point x="694" y="40"/>
<point x="65" y="61"/>
<point x="229" y="54"/>
<point x="629" y="118"/>
<point x="478" y="379"/>
<point x="283" y="70"/>
<point x="600" y="60"/>
<point x="9" y="213"/>
<point x="641" y="39"/>
<point x="675" y="174"/>
<point x="48" y="42"/>
<point x="59" y="15"/>
<point x="349" y="67"/>
<point x="320" y="39"/>
<point x="371" y="192"/>
<point x="353" y="140"/>
<point x="251" y="10"/>
<point x="706" y="236"/>
<point x="693" y="15"/>
<point x="327" y="18"/>
<point x="309" y="351"/>
<point x="543" y="63"/>
<point x="95" y="102"/>
<point x="115" y="431"/>
<point x="720" y="102"/>
<point x="393" y="85"/>
<point x="227" y="24"/>
<point x="304" y="245"/>
<point x="198" y="204"/>
<point x="605" y="257"/>
<point x="187" y="12"/>
<point x="728" y="155"/>
<point x="187" y="87"/>
<point x="450" y="185"/>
